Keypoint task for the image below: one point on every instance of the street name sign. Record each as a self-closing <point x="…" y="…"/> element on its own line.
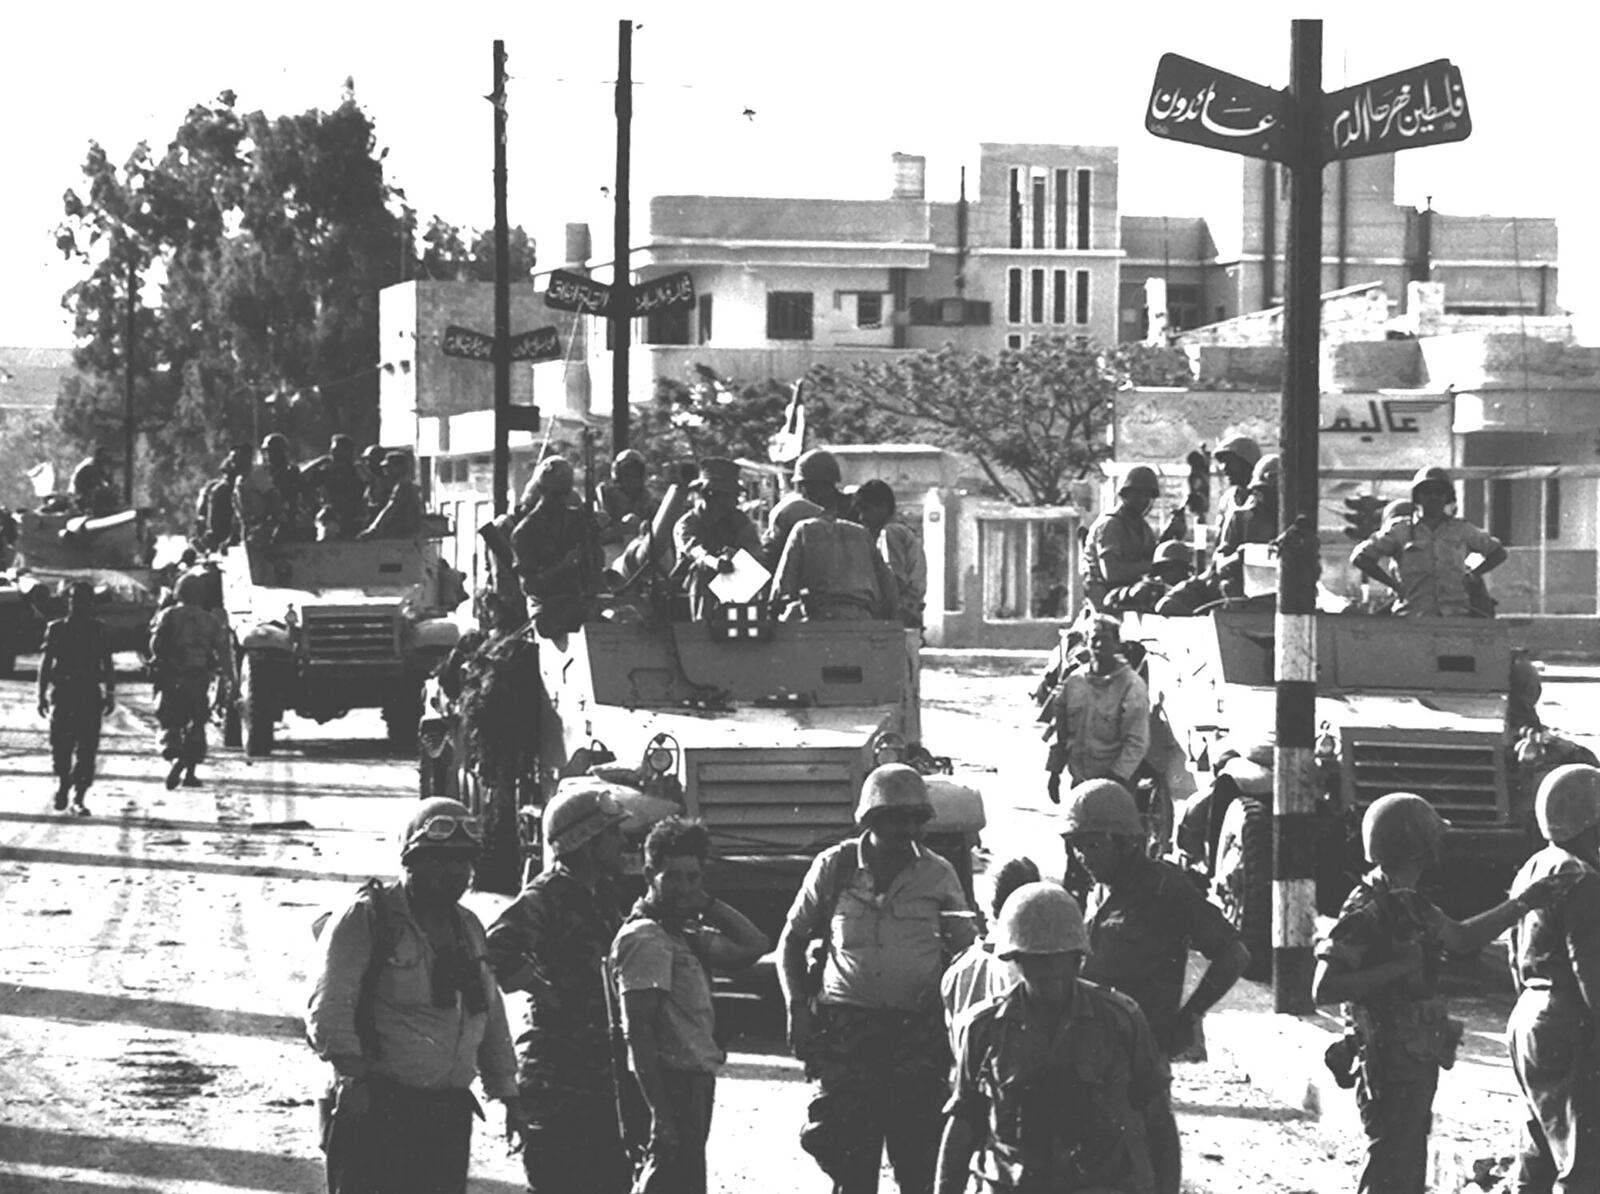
<point x="541" y="344"/>
<point x="1426" y="105"/>
<point x="464" y="342"/>
<point x="574" y="292"/>
<point x="1202" y="105"/>
<point x="664" y="293"/>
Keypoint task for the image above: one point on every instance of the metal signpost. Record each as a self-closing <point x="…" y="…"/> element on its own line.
<point x="1303" y="129"/>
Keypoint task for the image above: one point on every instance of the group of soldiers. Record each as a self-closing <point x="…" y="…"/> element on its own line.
<point x="339" y="495"/>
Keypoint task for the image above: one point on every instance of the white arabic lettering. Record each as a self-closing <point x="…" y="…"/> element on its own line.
<point x="1177" y="108"/>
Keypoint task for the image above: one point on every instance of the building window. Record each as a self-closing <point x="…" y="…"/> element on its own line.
<point x="667" y="325"/>
<point x="1038" y="211"/>
<point x="1552" y="508"/>
<point x="1183" y="306"/>
<point x="1016" y="208"/>
<point x="1036" y="307"/>
<point x="1500" y="510"/>
<point x="1027" y="567"/>
<point x="869" y="310"/>
<point x="1014" y="340"/>
<point x="1085" y="187"/>
<point x="1062" y="188"/>
<point x="1058" y="312"/>
<point x="705" y="319"/>
<point x="789" y="315"/>
<point x="1014" y="296"/>
<point x="1080" y="306"/>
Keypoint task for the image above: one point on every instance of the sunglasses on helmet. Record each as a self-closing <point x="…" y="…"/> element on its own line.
<point x="443" y="827"/>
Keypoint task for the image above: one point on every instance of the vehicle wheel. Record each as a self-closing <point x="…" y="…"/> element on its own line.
<point x="401" y="717"/>
<point x="257" y="711"/>
<point x="500" y="863"/>
<point x="1243" y="878"/>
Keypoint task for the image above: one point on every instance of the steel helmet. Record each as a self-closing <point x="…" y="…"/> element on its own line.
<point x="276" y="439"/>
<point x="1568" y="801"/>
<point x="627" y="458"/>
<point x="1141" y="479"/>
<point x="1173" y="552"/>
<point x="582" y="809"/>
<point x="1242" y="446"/>
<point x="1040" y="918"/>
<point x="190" y="588"/>
<point x="1268" y="471"/>
<point x="440" y="824"/>
<point x="817" y="465"/>
<point x="1101" y="806"/>
<point x="894" y="785"/>
<point x="1400" y="828"/>
<point x="1432" y="475"/>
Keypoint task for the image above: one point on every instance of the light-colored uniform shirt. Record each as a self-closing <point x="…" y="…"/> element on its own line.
<point x="791" y="510"/>
<point x="974" y="977"/>
<point x="188" y="638"/>
<point x="901" y="548"/>
<point x="1118" y="551"/>
<point x="1430" y="562"/>
<point x="884" y="951"/>
<point x="646" y="957"/>
<point x="419" y="1045"/>
<point x="1104" y="723"/>
<point x="832" y="565"/>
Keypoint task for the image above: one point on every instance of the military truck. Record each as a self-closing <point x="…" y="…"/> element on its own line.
<point x="1424" y="705"/>
<point x="320" y="629"/>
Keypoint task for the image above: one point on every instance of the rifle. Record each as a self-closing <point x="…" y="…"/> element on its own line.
<point x="633" y="1117"/>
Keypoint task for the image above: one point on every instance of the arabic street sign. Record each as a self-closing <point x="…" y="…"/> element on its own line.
<point x="1200" y="104"/>
<point x="522" y="418"/>
<point x="464" y="342"/>
<point x="1426" y="105"/>
<point x="664" y="293"/>
<point x="541" y="344"/>
<point x="574" y="292"/>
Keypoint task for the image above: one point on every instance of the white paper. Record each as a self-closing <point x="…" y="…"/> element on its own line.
<point x="747" y="579"/>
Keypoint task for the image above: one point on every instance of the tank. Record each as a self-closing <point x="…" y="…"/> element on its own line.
<point x="1434" y="706"/>
<point x="320" y="629"/>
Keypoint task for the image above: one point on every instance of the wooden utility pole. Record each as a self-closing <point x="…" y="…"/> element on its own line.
<point x="502" y="295"/>
<point x="127" y="383"/>
<point x="621" y="283"/>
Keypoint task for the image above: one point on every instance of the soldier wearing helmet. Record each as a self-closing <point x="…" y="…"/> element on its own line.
<point x="550" y="942"/>
<point x="188" y="650"/>
<point x="816" y="492"/>
<point x="1381" y="959"/>
<point x="340" y="490"/>
<point x="898" y="543"/>
<point x="1056" y="1079"/>
<point x="405" y="1010"/>
<point x="285" y="477"/>
<point x="711" y="532"/>
<point x="831" y="571"/>
<point x="556" y="547"/>
<point x="1430" y="549"/>
<point x="1144" y="917"/>
<point x="1121" y="544"/>
<point x="77" y="687"/>
<point x="870" y="1028"/>
<point x="94" y="487"/>
<point x="624" y="500"/>
<point x="1555" y="965"/>
<point x="1169" y="570"/>
<point x="1102" y="727"/>
<point x="401" y="515"/>
<point x="1237" y="459"/>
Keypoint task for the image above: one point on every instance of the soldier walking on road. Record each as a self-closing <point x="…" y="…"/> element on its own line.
<point x="188" y="649"/>
<point x="1382" y="960"/>
<point x="1054" y="1079"/>
<point x="1555" y="962"/>
<point x="1144" y="916"/>
<point x="871" y="1029"/>
<point x="976" y="974"/>
<point x="1102" y="715"/>
<point x="551" y="943"/>
<point x="77" y="687"/>
<point x="405" y="1009"/>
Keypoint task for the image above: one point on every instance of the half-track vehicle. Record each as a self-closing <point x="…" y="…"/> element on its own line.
<point x="320" y="629"/>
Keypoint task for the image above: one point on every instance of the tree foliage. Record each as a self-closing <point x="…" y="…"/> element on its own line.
<point x="255" y="247"/>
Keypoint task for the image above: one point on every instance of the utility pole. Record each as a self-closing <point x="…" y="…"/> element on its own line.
<point x="621" y="283"/>
<point x="502" y="294"/>
<point x="127" y="383"/>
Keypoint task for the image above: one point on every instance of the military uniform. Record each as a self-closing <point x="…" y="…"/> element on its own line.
<point x="831" y="568"/>
<point x="188" y="646"/>
<point x="1404" y="1032"/>
<point x="76" y="673"/>
<point x="401" y="515"/>
<point x="1059" y="1111"/>
<point x="791" y="510"/>
<point x="1119" y="549"/>
<point x="699" y="539"/>
<point x="550" y="543"/>
<point x="1555" y="961"/>
<point x="552" y="941"/>
<point x="341" y="496"/>
<point x="1430" y="562"/>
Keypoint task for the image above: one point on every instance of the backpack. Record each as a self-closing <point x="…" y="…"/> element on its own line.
<point x="384" y="938"/>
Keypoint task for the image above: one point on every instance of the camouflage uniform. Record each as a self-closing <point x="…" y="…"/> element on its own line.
<point x="187" y="647"/>
<point x="552" y="941"/>
<point x="1404" y="1032"/>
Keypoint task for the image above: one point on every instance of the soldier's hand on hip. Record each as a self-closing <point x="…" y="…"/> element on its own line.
<point x="354" y="1099"/>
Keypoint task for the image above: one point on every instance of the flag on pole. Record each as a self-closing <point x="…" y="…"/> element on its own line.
<point x="789" y="441"/>
<point x="43" y="478"/>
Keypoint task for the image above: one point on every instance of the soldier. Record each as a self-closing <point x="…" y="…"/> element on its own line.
<point x="372" y="459"/>
<point x="830" y="571"/>
<point x="1382" y="959"/>
<point x="624" y="500"/>
<point x="257" y="504"/>
<point x="976" y="974"/>
<point x="1237" y="459"/>
<point x="340" y="490"/>
<point x="285" y="478"/>
<point x="1102" y="715"/>
<point x="1144" y="916"/>
<point x="1054" y="1080"/>
<point x="871" y="1029"/>
<point x="188" y="649"/>
<point x="77" y="687"/>
<point x="710" y="534"/>
<point x="1430" y="550"/>
<point x="1168" y="570"/>
<point x="550" y="943"/>
<point x="899" y="545"/>
<point x="93" y="487"/>
<point x="1121" y="544"/>
<point x="558" y="557"/>
<point x="815" y="493"/>
<point x="1555" y="963"/>
<point x="215" y="522"/>
<point x="401" y="516"/>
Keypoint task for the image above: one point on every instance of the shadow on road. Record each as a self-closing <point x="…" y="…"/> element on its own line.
<point x="48" y="1003"/>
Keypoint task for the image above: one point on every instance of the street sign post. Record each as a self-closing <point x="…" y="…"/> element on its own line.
<point x="573" y="292"/>
<point x="1202" y="105"/>
<point x="541" y="344"/>
<point x="1426" y="105"/>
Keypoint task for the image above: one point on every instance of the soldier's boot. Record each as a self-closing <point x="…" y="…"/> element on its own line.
<point x="190" y="780"/>
<point x="61" y="795"/>
<point x="79" y="807"/>
<point x="174" y="774"/>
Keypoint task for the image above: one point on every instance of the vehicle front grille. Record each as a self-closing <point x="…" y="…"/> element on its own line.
<point x="347" y="636"/>
<point x="1463" y="779"/>
<point x="775" y="801"/>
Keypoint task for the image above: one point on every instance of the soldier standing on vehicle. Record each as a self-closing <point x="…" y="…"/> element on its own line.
<point x="340" y="490"/>
<point x="77" y="688"/>
<point x="405" y="1009"/>
<point x="1121" y="544"/>
<point x="830" y="571"/>
<point x="1237" y="459"/>
<point x="1054" y="1080"/>
<point x="1144" y="916"/>
<point x="662" y="960"/>
<point x="372" y="458"/>
<point x="1102" y="715"/>
<point x="556" y="549"/>
<point x="215" y="523"/>
<point x="871" y="1029"/>
<point x="94" y="485"/>
<point x="550" y="943"/>
<point x="815" y="493"/>
<point x="1382" y="960"/>
<point x="1555" y="964"/>
<point x="188" y="649"/>
<point x="1430" y="550"/>
<point x="624" y="499"/>
<point x="712" y="532"/>
<point x="285" y="477"/>
<point x="976" y="974"/>
<point x="401" y="516"/>
<point x="898" y="544"/>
